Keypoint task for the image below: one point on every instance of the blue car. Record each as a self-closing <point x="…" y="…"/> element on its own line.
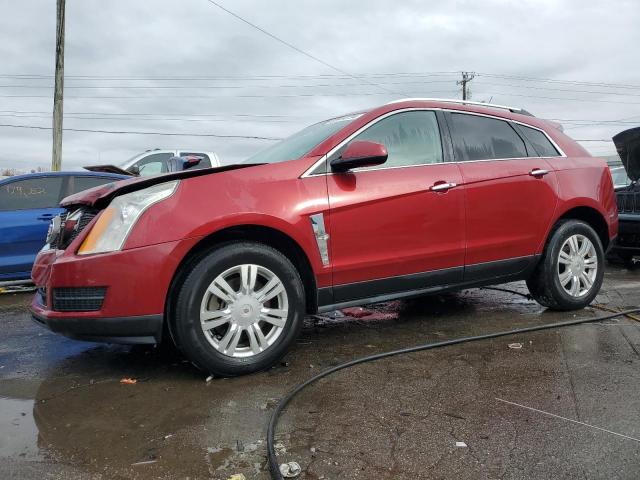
<point x="27" y="205"/>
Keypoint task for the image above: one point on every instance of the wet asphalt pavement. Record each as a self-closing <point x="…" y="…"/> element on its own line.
<point x="564" y="405"/>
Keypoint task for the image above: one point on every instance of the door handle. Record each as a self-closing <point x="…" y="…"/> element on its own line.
<point x="46" y="216"/>
<point x="538" y="172"/>
<point x="443" y="187"/>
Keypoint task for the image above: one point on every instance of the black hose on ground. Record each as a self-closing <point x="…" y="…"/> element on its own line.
<point x="274" y="467"/>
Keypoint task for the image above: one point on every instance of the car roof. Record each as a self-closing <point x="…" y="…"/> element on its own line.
<point x="78" y="173"/>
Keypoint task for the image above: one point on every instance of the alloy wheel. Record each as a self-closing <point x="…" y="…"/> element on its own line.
<point x="244" y="310"/>
<point x="577" y="265"/>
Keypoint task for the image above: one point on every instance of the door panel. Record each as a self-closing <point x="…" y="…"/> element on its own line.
<point x="388" y="222"/>
<point x="22" y="235"/>
<point x="508" y="210"/>
<point x="26" y="209"/>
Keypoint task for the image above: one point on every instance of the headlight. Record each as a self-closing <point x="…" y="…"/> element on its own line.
<point x="112" y="228"/>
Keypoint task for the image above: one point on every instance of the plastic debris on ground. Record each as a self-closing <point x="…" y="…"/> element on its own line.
<point x="237" y="476"/>
<point x="515" y="346"/>
<point x="461" y="444"/>
<point x="290" y="470"/>
<point x="129" y="381"/>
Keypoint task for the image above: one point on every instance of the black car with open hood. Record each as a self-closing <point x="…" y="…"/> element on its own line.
<point x="628" y="242"/>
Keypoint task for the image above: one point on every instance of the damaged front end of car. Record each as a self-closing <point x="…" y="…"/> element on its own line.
<point x="628" y="197"/>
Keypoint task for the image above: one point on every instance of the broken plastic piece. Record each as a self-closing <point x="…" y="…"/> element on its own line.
<point x="515" y="346"/>
<point x="238" y="476"/>
<point x="129" y="381"/>
<point x="461" y="444"/>
<point x="290" y="470"/>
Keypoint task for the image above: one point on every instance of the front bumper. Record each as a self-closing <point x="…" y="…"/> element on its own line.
<point x="134" y="282"/>
<point x="628" y="233"/>
<point x="128" y="330"/>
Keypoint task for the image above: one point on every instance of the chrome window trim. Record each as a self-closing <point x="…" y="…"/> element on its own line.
<point x="324" y="158"/>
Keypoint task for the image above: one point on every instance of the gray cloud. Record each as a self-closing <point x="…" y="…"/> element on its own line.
<point x="563" y="40"/>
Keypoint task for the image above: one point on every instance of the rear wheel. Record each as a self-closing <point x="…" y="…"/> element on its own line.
<point x="570" y="273"/>
<point x="239" y="309"/>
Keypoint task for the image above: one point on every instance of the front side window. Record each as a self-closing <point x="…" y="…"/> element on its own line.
<point x="411" y="138"/>
<point x="39" y="192"/>
<point x="484" y="138"/>
<point x="541" y="144"/>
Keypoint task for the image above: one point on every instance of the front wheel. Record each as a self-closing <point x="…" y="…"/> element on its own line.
<point x="570" y="273"/>
<point x="239" y="309"/>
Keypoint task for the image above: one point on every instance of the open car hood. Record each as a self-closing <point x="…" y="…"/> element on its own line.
<point x="628" y="146"/>
<point x="99" y="197"/>
<point x="108" y="169"/>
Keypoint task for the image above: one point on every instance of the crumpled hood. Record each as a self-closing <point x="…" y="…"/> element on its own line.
<point x="101" y="196"/>
<point x="628" y="146"/>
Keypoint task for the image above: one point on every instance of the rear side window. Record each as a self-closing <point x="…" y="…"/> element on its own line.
<point x="38" y="192"/>
<point x="541" y="144"/>
<point x="204" y="163"/>
<point x="78" y="184"/>
<point x="411" y="138"/>
<point x="484" y="138"/>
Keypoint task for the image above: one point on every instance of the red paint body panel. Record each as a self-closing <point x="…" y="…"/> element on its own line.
<point x="508" y="210"/>
<point x="382" y="223"/>
<point x="137" y="280"/>
<point x="387" y="222"/>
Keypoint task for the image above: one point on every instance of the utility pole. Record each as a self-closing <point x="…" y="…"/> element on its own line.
<point x="56" y="157"/>
<point x="466" y="78"/>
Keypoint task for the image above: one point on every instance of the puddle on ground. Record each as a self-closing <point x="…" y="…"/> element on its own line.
<point x="19" y="434"/>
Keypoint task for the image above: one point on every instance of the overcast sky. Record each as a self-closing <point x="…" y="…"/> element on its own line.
<point x="188" y="67"/>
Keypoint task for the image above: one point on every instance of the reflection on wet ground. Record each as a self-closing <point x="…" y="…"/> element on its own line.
<point x="64" y="412"/>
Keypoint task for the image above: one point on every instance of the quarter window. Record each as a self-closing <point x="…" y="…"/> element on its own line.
<point x="484" y="138"/>
<point x="541" y="144"/>
<point x="411" y="138"/>
<point x="38" y="192"/>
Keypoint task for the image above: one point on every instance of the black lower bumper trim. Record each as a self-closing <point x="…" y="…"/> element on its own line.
<point x="127" y="330"/>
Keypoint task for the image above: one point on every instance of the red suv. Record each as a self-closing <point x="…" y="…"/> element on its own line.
<point x="414" y="197"/>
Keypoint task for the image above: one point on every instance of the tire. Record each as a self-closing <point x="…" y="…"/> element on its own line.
<point x="223" y="326"/>
<point x="546" y="283"/>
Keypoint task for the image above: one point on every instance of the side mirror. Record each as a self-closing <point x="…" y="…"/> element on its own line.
<point x="360" y="153"/>
<point x="134" y="170"/>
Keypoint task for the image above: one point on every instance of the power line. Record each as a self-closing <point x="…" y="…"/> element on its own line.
<point x="561" y="89"/>
<point x="194" y="87"/>
<point x="153" y="119"/>
<point x="251" y="115"/>
<point x="552" y="80"/>
<point x="171" y="134"/>
<point x="229" y="77"/>
<point x="284" y="42"/>
<point x="38" y="76"/>
<point x="292" y="95"/>
<point x="587" y="100"/>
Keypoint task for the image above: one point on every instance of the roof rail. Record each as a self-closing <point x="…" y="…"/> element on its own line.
<point x="465" y="102"/>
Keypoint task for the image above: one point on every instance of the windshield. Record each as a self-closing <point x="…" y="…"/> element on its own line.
<point x="302" y="142"/>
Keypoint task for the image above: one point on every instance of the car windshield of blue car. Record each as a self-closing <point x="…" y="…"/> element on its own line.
<point x="297" y="145"/>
